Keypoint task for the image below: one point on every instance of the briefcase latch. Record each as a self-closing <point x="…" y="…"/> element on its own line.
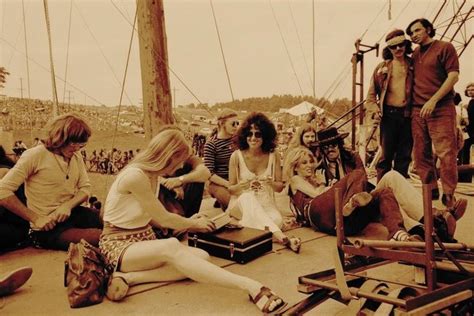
<point x="231" y="248"/>
<point x="195" y="240"/>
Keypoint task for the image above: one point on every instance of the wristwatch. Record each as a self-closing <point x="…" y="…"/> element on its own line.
<point x="181" y="178"/>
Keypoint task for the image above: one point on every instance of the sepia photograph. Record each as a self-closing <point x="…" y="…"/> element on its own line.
<point x="236" y="157"/>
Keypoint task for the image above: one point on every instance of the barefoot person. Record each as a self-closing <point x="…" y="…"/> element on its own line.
<point x="131" y="247"/>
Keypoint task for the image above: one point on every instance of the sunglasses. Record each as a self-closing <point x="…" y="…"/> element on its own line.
<point x="401" y="45"/>
<point x="325" y="147"/>
<point x="235" y="123"/>
<point x="256" y="134"/>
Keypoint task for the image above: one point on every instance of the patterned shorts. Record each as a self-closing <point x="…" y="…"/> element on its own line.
<point x="114" y="245"/>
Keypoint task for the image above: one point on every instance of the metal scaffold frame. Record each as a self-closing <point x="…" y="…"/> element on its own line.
<point x="448" y="271"/>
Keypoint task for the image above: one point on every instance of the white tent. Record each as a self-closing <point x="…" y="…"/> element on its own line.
<point x="303" y="108"/>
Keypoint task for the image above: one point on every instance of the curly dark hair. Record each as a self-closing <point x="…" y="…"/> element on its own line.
<point x="266" y="127"/>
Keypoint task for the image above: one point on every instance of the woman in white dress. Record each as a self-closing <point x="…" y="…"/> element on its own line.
<point x="254" y="175"/>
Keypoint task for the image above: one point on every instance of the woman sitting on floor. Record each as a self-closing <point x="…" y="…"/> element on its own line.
<point x="128" y="241"/>
<point x="254" y="175"/>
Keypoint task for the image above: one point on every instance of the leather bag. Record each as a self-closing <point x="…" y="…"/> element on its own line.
<point x="85" y="275"/>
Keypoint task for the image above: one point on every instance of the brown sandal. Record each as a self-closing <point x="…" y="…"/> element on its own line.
<point x="294" y="244"/>
<point x="268" y="302"/>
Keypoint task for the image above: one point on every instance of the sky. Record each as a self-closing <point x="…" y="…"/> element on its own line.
<point x="267" y="44"/>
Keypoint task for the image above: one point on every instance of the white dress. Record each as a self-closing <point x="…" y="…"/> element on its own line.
<point x="258" y="207"/>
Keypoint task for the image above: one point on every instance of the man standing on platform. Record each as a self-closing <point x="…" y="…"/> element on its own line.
<point x="436" y="70"/>
<point x="388" y="99"/>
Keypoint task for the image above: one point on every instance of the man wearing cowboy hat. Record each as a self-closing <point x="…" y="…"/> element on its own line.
<point x="388" y="101"/>
<point x="336" y="160"/>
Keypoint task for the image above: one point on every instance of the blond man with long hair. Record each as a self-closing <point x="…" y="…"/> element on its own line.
<point x="128" y="241"/>
<point x="56" y="183"/>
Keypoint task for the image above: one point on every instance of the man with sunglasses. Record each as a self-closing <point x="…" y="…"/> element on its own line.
<point x="393" y="192"/>
<point x="388" y="103"/>
<point x="217" y="153"/>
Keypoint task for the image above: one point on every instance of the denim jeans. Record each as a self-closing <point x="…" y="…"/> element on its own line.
<point x="396" y="142"/>
<point x="84" y="223"/>
<point x="438" y="130"/>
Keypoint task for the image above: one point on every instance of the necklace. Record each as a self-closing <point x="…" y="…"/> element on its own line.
<point x="423" y="54"/>
<point x="66" y="172"/>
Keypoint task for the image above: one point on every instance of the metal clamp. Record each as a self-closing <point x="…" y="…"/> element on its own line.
<point x="231" y="248"/>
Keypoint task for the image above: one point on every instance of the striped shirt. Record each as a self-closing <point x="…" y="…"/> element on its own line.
<point x="217" y="153"/>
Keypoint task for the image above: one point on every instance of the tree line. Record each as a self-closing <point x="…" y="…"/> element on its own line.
<point x="276" y="102"/>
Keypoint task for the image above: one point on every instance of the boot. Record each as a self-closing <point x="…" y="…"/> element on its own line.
<point x="448" y="200"/>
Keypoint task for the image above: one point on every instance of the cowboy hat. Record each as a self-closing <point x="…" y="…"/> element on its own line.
<point x="329" y="136"/>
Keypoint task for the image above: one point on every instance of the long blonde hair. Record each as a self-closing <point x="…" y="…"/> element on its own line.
<point x="292" y="160"/>
<point x="167" y="146"/>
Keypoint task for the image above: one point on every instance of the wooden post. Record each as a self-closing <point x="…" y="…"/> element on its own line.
<point x="154" y="66"/>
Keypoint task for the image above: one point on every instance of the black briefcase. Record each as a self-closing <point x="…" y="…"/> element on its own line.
<point x="240" y="245"/>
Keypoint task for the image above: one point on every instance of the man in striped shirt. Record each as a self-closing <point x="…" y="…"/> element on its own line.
<point x="217" y="152"/>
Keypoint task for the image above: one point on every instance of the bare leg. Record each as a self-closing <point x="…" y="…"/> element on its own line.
<point x="164" y="273"/>
<point x="153" y="255"/>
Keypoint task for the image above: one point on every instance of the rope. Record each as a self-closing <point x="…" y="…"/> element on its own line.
<point x="314" y="52"/>
<point x="396" y="19"/>
<point x="169" y="68"/>
<point x="27" y="68"/>
<point x="101" y="51"/>
<point x="389" y="9"/>
<point x="286" y="47"/>
<point x="373" y="21"/>
<point x="67" y="50"/>
<point x="301" y="46"/>
<point x="222" y="50"/>
<point x="49" y="71"/>
<point x="53" y="76"/>
<point x="26" y="48"/>
<point x="122" y="92"/>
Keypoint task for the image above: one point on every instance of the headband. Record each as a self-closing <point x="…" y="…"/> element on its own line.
<point x="396" y="40"/>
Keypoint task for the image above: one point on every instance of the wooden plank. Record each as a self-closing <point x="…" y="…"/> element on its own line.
<point x="437" y="305"/>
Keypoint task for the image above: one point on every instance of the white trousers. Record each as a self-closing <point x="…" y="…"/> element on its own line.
<point x="408" y="197"/>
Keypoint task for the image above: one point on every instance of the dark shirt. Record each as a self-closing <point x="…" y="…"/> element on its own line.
<point x="432" y="64"/>
<point x="470" y="117"/>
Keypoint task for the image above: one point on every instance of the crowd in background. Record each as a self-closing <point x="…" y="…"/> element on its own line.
<point x="27" y="114"/>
